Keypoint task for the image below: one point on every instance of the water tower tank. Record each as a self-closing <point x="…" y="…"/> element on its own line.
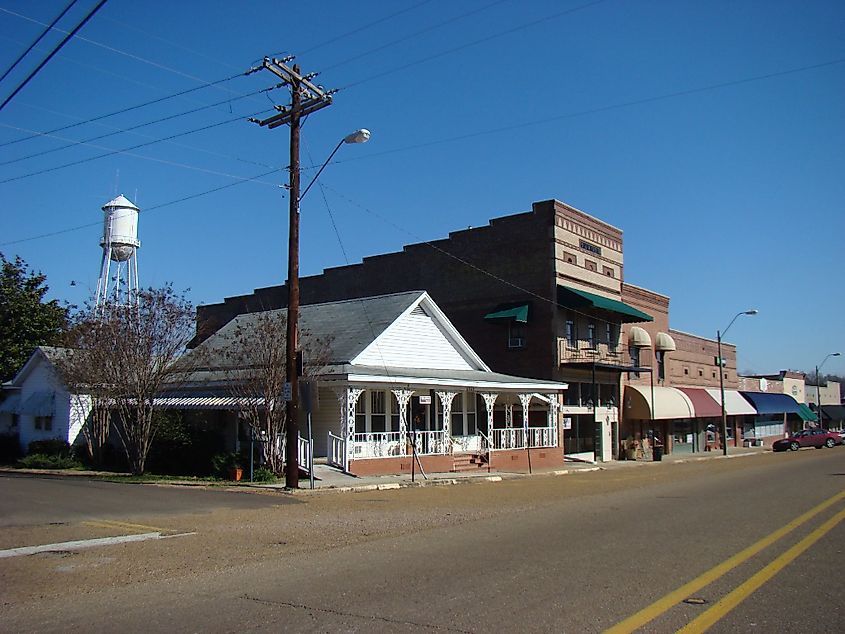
<point x="120" y="228"/>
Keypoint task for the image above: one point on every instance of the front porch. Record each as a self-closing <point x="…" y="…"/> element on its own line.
<point x="443" y="430"/>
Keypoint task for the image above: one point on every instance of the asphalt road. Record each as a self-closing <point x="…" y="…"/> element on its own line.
<point x="27" y="500"/>
<point x="758" y="541"/>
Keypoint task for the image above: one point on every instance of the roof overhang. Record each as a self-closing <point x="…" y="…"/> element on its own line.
<point x="477" y="380"/>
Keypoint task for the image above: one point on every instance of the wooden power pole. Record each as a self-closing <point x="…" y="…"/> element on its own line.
<point x="305" y="99"/>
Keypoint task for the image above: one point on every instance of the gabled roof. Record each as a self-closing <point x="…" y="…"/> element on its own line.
<point x="352" y="329"/>
<point x="42" y="354"/>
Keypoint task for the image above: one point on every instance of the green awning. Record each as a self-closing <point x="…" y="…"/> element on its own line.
<point x="574" y="298"/>
<point x="806" y="414"/>
<point x="517" y="313"/>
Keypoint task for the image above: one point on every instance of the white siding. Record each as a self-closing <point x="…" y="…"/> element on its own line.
<point x="414" y="341"/>
<point x="43" y="379"/>
<point x="324" y="419"/>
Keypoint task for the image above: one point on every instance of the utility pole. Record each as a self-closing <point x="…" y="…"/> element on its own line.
<point x="305" y="99"/>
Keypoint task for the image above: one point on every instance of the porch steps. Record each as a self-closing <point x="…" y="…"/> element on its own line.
<point x="462" y="462"/>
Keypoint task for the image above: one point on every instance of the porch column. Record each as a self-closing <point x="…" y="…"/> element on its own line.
<point x="446" y="399"/>
<point x="509" y="415"/>
<point x="348" y="398"/>
<point x="554" y="408"/>
<point x="525" y="399"/>
<point x="489" y="401"/>
<point x="403" y="397"/>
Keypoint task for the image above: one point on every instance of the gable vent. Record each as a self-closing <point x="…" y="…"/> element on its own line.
<point x="419" y="312"/>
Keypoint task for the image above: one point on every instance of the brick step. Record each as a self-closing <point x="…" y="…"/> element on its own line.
<point x="468" y="462"/>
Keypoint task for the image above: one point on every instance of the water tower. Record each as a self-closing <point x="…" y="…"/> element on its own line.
<point x="119" y="282"/>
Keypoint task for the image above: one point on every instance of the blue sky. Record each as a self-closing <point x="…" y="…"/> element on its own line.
<point x="710" y="132"/>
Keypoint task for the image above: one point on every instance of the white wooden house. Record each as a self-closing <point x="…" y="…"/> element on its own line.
<point x="399" y="380"/>
<point x="38" y="406"/>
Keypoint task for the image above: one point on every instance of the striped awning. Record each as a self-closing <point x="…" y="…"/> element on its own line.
<point x="735" y="404"/>
<point x="38" y="404"/>
<point x="226" y="403"/>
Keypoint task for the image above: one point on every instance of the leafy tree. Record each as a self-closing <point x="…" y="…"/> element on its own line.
<point x="26" y="320"/>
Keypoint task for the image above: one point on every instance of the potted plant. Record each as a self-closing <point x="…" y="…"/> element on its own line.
<point x="236" y="471"/>
<point x="228" y="465"/>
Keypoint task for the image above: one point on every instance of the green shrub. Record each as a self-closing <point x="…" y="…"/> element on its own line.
<point x="50" y="447"/>
<point x="263" y="474"/>
<point x="46" y="461"/>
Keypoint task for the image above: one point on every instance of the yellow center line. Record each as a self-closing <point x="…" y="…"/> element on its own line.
<point x="670" y="600"/>
<point x="708" y="618"/>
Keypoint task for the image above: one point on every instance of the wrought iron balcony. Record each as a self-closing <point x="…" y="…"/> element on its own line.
<point x="582" y="351"/>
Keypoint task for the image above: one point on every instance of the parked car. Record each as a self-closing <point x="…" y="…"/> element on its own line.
<point x="817" y="438"/>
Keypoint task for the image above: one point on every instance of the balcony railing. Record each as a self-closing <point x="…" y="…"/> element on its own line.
<point x="584" y="351"/>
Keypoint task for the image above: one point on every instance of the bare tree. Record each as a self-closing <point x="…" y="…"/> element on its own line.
<point x="81" y="366"/>
<point x="126" y="354"/>
<point x="253" y="359"/>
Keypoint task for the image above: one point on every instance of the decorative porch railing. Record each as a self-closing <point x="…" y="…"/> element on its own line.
<point x="516" y="438"/>
<point x="393" y="443"/>
<point x="336" y="451"/>
<point x="305" y="454"/>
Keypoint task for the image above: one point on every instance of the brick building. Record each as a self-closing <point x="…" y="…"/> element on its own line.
<point x="552" y="309"/>
<point x="539" y="294"/>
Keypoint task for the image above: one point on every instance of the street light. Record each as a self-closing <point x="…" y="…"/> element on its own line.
<point x="359" y="136"/>
<point x="819" y="387"/>
<point x="719" y="335"/>
<point x="292" y="337"/>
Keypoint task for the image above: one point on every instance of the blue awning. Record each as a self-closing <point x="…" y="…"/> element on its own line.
<point x="766" y="403"/>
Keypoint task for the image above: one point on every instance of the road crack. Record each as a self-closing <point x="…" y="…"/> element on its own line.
<point x="385" y="619"/>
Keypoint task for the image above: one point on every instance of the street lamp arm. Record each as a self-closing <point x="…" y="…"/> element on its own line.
<point x="359" y="136"/>
<point x="320" y="171"/>
<point x="752" y="311"/>
<point x="719" y="335"/>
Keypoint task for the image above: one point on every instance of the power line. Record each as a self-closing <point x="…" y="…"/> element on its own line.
<point x="459" y="259"/>
<point x="123" y="77"/>
<point x="475" y="42"/>
<point x="364" y="27"/>
<point x="415" y="34"/>
<point x="112" y="151"/>
<point x="148" y="34"/>
<point x="55" y="50"/>
<point x="149" y="209"/>
<point x="188" y="166"/>
<point x="140" y="125"/>
<point x="113" y="49"/>
<point x="485" y="132"/>
<point x="38" y="39"/>
<point x="187" y="146"/>
<point x="599" y="109"/>
<point x="123" y="110"/>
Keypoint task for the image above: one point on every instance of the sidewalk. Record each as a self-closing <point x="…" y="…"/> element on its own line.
<point x="330" y="479"/>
